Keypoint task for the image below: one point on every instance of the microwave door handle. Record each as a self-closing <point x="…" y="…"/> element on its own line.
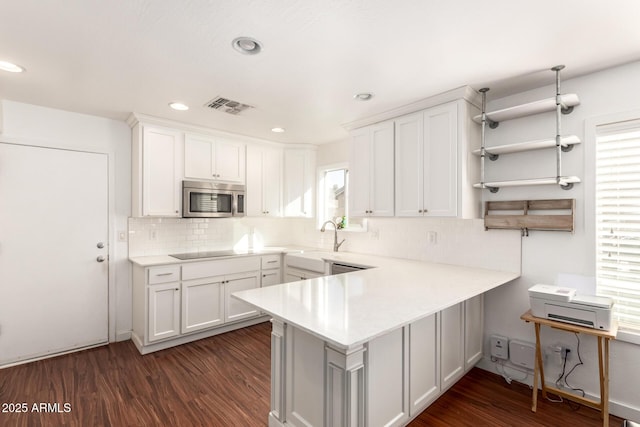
<point x="234" y="204"/>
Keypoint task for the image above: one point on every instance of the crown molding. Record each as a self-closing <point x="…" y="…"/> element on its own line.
<point x="465" y="92"/>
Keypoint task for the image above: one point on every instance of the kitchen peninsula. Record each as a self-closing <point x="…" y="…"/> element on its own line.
<point x="372" y="347"/>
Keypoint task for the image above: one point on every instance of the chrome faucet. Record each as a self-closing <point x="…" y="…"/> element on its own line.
<point x="336" y="245"/>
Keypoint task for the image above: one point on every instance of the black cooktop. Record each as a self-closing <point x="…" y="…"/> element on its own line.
<point x="206" y="254"/>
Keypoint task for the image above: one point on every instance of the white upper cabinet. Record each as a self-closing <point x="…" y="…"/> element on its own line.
<point x="157" y="171"/>
<point x="299" y="178"/>
<point x="371" y="171"/>
<point x="426" y="159"/>
<point x="213" y="158"/>
<point x="264" y="181"/>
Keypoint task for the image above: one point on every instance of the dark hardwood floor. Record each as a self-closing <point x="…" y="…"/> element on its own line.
<point x="224" y="381"/>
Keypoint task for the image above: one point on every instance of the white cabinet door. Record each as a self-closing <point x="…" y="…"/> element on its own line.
<point x="236" y="309"/>
<point x="271" y="277"/>
<point x="440" y="161"/>
<point x="427" y="162"/>
<point x="163" y="311"/>
<point x="424" y="363"/>
<point x="409" y="165"/>
<point x="381" y="193"/>
<point x="198" y="155"/>
<point x="202" y="305"/>
<point x="161" y="172"/>
<point x="474" y="330"/>
<point x="371" y="171"/>
<point x="264" y="181"/>
<point x="272" y="181"/>
<point x="209" y="158"/>
<point x="387" y="385"/>
<point x="254" y="197"/>
<point x="359" y="172"/>
<point x="451" y="344"/>
<point x="228" y="161"/>
<point x="299" y="165"/>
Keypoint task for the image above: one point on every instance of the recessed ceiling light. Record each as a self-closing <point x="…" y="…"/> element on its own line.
<point x="277" y="130"/>
<point x="247" y="45"/>
<point x="178" y="106"/>
<point x="365" y="96"/>
<point x="10" y="67"/>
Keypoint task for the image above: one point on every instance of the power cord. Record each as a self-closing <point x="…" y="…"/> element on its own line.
<point x="566" y="377"/>
<point x="501" y="366"/>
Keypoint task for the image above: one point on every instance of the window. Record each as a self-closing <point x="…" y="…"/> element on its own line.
<point x="617" y="204"/>
<point x="332" y="194"/>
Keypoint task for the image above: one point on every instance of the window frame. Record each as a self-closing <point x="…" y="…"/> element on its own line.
<point x="631" y="335"/>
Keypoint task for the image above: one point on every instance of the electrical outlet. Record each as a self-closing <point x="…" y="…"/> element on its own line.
<point x="432" y="237"/>
<point x="153" y="235"/>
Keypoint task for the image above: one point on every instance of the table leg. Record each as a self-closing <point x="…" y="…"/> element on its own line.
<point x="538" y="370"/>
<point x="603" y="360"/>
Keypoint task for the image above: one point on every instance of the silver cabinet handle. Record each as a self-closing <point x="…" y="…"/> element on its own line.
<point x="164" y="274"/>
<point x="100" y="245"/>
<point x="271" y="262"/>
<point x="100" y="258"/>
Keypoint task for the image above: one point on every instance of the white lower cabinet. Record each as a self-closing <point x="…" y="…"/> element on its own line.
<point x="386" y="362"/>
<point x="271" y="277"/>
<point x="424" y="363"/>
<point x="386" y="381"/>
<point x="177" y="303"/>
<point x="235" y="309"/>
<point x="164" y="311"/>
<point x="451" y="345"/>
<point x="202" y="305"/>
<point x="474" y="331"/>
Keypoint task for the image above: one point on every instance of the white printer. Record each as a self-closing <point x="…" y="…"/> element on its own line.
<point x="562" y="304"/>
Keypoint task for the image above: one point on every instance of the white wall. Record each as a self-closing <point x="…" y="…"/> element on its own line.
<point x="551" y="257"/>
<point x="34" y="125"/>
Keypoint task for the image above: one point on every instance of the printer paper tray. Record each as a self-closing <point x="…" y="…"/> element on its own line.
<point x="570" y="315"/>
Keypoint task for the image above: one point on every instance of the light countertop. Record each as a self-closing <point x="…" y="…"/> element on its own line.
<point x="156" y="260"/>
<point x="350" y="309"/>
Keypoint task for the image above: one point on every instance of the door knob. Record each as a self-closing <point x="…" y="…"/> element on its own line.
<point x="100" y="259"/>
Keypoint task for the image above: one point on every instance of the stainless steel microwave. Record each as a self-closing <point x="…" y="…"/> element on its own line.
<point x="202" y="199"/>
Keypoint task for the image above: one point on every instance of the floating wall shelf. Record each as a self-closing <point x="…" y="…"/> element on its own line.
<point x="525" y="215"/>
<point x="565" y="181"/>
<point x="567" y="142"/>
<point x="568" y="101"/>
<point x="561" y="104"/>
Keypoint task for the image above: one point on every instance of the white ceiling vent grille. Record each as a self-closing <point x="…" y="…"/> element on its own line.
<point x="227" y="106"/>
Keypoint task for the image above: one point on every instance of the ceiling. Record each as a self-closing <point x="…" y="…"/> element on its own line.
<point x="111" y="58"/>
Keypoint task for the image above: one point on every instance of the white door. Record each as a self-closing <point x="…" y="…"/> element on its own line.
<point x="53" y="218"/>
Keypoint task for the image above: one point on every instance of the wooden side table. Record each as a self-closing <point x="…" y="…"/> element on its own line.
<point x="603" y="361"/>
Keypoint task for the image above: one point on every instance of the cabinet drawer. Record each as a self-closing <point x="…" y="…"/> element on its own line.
<point x="271" y="261"/>
<point x="197" y="270"/>
<point x="169" y="273"/>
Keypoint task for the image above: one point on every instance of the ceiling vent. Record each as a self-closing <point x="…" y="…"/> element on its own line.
<point x="227" y="106"/>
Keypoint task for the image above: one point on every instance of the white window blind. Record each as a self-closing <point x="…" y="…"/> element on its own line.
<point x="618" y="218"/>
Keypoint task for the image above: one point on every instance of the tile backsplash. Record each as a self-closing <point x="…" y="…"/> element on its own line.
<point x="445" y="240"/>
<point x="161" y="236"/>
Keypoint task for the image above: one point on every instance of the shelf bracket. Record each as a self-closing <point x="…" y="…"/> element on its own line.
<point x="566" y="148"/>
<point x="493" y="157"/>
<point x="566" y="110"/>
<point x="567" y="186"/>
<point x="493" y="189"/>
<point x="493" y="124"/>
